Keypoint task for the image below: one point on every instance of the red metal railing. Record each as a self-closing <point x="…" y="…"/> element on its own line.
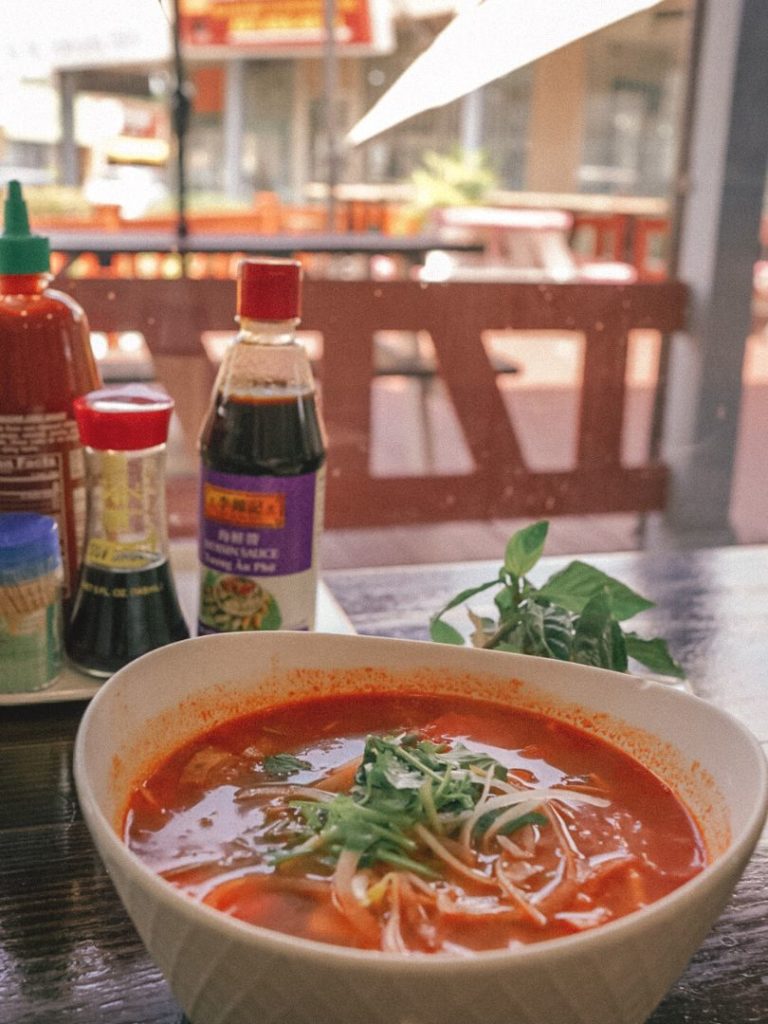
<point x="349" y="314"/>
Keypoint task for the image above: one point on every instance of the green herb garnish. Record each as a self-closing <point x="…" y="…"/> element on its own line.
<point x="402" y="782"/>
<point x="576" y="615"/>
<point x="284" y="765"/>
<point x="531" y="818"/>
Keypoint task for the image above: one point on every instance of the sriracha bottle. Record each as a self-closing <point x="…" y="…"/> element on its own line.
<point x="46" y="360"/>
<point x="262" y="451"/>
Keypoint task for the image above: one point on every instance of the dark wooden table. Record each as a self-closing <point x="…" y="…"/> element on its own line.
<point x="67" y="950"/>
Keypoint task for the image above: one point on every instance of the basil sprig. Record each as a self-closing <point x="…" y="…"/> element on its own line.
<point x="576" y="615"/>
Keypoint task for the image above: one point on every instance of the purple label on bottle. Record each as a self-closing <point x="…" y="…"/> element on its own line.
<point x="257" y="525"/>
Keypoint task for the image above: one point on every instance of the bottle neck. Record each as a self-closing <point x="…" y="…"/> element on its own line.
<point x="267" y="332"/>
<point x="24" y="284"/>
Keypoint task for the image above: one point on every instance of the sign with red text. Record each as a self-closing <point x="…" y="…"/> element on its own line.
<point x="283" y="28"/>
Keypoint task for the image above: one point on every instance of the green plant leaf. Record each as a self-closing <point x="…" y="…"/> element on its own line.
<point x="575" y="585"/>
<point x="619" y="661"/>
<point x="464" y="595"/>
<point x="442" y="633"/>
<point x="533" y="629"/>
<point x="558" y="632"/>
<point x="524" y="548"/>
<point x="575" y="616"/>
<point x="545" y="630"/>
<point x="654" y="654"/>
<point x="505" y="600"/>
<point x="533" y="633"/>
<point x="452" y="179"/>
<point x="513" y="637"/>
<point x="598" y="639"/>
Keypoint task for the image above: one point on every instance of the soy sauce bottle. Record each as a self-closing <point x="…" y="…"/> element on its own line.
<point x="262" y="451"/>
<point x="126" y="601"/>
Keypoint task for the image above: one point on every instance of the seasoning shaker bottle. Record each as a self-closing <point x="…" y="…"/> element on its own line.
<point x="262" y="453"/>
<point x="46" y="361"/>
<point x="126" y="602"/>
<point x="31" y="578"/>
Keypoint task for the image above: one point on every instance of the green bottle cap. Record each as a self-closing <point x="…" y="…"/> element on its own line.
<point x="21" y="252"/>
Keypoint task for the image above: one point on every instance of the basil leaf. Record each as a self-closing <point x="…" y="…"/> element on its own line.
<point x="654" y="654"/>
<point x="597" y="638"/>
<point x="558" y="632"/>
<point x="537" y="631"/>
<point x="524" y="548"/>
<point x="546" y="631"/>
<point x="505" y="600"/>
<point x="575" y="616"/>
<point x="442" y="633"/>
<point x="574" y="586"/>
<point x="463" y="596"/>
<point x="619" y="662"/>
<point x="532" y="625"/>
<point x="514" y="640"/>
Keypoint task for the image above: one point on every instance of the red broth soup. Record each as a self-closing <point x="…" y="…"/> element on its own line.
<point x="389" y="822"/>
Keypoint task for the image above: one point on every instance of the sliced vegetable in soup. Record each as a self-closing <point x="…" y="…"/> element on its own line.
<point x="389" y="822"/>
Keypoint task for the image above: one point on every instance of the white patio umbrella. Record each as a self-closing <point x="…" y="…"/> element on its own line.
<point x="486" y="40"/>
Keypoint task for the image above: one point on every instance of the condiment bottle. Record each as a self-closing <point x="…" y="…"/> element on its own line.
<point x="46" y="360"/>
<point x="31" y="644"/>
<point x="262" y="449"/>
<point x="126" y="602"/>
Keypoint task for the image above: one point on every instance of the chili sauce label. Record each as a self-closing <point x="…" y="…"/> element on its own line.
<point x="258" y="541"/>
<point x="42" y="469"/>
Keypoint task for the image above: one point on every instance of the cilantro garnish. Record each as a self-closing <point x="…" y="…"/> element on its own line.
<point x="402" y="782"/>
<point x="285" y="764"/>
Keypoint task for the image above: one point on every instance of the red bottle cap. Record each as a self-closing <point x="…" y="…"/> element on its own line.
<point x="124" y="418"/>
<point x="269" y="289"/>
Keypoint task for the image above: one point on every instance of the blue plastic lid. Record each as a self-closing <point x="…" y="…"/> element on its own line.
<point x="29" y="546"/>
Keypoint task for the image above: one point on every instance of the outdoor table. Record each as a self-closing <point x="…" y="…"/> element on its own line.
<point x="68" y="952"/>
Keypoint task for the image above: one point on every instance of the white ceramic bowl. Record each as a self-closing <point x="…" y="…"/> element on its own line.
<point x="223" y="971"/>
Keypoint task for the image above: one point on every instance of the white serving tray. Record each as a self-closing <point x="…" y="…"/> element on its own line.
<point x="72" y="685"/>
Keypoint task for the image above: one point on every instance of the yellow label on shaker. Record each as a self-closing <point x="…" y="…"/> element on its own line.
<point x="109" y="555"/>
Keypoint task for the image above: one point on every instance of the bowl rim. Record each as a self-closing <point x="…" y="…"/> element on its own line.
<point x="136" y="870"/>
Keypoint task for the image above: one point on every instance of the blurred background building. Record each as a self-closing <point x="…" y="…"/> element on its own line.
<point x="85" y="89"/>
